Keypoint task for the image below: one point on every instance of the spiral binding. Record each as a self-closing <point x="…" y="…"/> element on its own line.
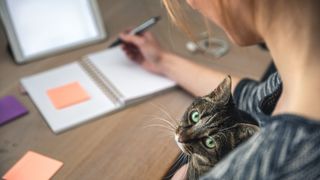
<point x="103" y="83"/>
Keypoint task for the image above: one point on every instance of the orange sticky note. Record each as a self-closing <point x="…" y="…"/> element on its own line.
<point x="33" y="166"/>
<point x="67" y="95"/>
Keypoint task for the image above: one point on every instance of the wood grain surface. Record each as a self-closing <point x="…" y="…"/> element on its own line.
<point x="120" y="145"/>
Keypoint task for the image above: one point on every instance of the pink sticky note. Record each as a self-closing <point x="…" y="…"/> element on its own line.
<point x="67" y="95"/>
<point x="33" y="166"/>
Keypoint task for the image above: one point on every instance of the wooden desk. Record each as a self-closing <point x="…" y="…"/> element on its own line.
<point x="116" y="146"/>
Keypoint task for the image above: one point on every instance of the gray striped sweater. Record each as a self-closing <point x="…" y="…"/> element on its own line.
<point x="287" y="146"/>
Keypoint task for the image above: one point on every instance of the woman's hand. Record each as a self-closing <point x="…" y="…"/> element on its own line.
<point x="196" y="79"/>
<point x="143" y="49"/>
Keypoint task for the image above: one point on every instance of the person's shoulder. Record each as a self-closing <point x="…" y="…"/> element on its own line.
<point x="293" y="123"/>
<point x="256" y="97"/>
<point x="279" y="147"/>
<point x="290" y="132"/>
<point x="295" y="145"/>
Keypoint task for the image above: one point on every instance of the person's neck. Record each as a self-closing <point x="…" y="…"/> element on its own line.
<point x="294" y="43"/>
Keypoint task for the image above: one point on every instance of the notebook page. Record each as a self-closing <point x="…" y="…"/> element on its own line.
<point x="38" y="85"/>
<point x="127" y="77"/>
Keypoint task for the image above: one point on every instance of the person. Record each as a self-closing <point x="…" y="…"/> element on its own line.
<point x="286" y="105"/>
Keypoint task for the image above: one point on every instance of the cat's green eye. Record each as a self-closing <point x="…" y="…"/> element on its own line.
<point x="210" y="142"/>
<point x="195" y="116"/>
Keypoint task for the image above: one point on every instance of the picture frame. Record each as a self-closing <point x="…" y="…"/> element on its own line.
<point x="33" y="37"/>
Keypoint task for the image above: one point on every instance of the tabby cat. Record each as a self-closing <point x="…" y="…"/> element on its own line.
<point x="210" y="128"/>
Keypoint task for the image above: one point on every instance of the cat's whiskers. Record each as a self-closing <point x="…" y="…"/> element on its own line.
<point x="166" y="121"/>
<point x="165" y="135"/>
<point x="151" y="117"/>
<point x="162" y="109"/>
<point x="159" y="125"/>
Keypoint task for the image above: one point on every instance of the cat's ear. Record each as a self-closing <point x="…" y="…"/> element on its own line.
<point x="223" y="92"/>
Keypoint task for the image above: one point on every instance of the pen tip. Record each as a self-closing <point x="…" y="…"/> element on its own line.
<point x="157" y="18"/>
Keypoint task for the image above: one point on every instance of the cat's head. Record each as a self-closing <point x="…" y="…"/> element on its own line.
<point x="198" y="132"/>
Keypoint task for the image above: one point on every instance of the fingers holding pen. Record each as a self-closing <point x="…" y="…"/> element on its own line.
<point x="132" y="52"/>
<point x="132" y="46"/>
<point x="133" y="39"/>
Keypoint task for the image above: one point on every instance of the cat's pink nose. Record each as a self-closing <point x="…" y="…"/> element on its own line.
<point x="181" y="139"/>
<point x="178" y="138"/>
<point x="182" y="136"/>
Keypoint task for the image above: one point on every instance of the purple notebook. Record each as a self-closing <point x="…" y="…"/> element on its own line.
<point x="10" y="108"/>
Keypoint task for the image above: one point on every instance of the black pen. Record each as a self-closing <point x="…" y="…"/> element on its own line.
<point x="138" y="30"/>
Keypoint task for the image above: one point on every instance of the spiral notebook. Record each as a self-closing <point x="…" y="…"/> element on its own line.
<point x="96" y="85"/>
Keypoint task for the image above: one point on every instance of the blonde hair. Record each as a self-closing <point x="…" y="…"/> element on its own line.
<point x="177" y="15"/>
